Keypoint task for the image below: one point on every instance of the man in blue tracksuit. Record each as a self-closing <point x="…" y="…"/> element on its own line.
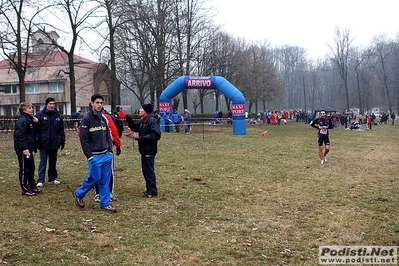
<point x="50" y="138"/>
<point x="149" y="134"/>
<point x="96" y="145"/>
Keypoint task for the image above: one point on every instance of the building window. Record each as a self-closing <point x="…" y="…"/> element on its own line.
<point x="56" y="87"/>
<point x="10" y="89"/>
<point x="32" y="88"/>
<point x="8" y="110"/>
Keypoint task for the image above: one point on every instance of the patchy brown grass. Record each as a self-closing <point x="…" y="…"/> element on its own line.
<point x="224" y="200"/>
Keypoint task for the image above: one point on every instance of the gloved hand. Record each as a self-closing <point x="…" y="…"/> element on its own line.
<point x="62" y="146"/>
<point x="139" y="138"/>
<point x="118" y="151"/>
<point x="128" y="119"/>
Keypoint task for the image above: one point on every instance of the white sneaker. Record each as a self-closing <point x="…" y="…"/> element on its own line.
<point x="40" y="184"/>
<point x="113" y="197"/>
<point x="325" y="158"/>
<point x="55" y="182"/>
<point x="97" y="198"/>
<point x="322" y="161"/>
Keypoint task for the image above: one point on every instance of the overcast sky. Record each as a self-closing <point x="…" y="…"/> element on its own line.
<point x="309" y="24"/>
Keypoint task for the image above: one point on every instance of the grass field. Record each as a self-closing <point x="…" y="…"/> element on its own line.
<point x="224" y="200"/>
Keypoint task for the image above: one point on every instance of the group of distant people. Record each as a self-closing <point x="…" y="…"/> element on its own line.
<point x="98" y="135"/>
<point x="175" y="119"/>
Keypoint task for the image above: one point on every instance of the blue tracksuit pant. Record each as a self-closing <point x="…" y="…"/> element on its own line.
<point x="99" y="174"/>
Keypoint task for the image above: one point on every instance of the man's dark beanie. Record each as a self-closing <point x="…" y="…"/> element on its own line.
<point x="50" y="99"/>
<point x="148" y="108"/>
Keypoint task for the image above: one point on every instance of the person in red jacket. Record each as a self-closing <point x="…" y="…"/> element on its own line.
<point x="121" y="114"/>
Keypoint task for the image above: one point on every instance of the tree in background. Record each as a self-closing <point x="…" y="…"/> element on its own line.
<point x="17" y="25"/>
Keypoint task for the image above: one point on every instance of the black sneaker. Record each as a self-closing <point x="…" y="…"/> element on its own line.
<point x="109" y="209"/>
<point x="78" y="202"/>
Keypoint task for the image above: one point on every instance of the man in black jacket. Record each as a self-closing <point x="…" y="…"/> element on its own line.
<point x="50" y="138"/>
<point x="149" y="134"/>
<point x="24" y="146"/>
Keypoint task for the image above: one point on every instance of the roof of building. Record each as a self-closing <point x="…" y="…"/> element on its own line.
<point x="57" y="58"/>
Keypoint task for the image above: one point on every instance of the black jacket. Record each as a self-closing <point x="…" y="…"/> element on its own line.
<point x="94" y="134"/>
<point x="24" y="134"/>
<point x="51" y="130"/>
<point x="149" y="134"/>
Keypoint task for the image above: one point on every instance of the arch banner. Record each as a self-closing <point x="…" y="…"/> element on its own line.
<point x="211" y="82"/>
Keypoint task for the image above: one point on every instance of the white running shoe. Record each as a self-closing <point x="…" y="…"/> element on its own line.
<point x="113" y="197"/>
<point x="97" y="198"/>
<point x="40" y="184"/>
<point x="325" y="158"/>
<point x="55" y="182"/>
<point x="322" y="162"/>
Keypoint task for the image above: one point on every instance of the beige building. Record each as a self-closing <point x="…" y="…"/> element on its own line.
<point x="47" y="76"/>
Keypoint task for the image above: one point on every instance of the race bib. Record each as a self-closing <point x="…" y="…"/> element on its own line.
<point x="323" y="131"/>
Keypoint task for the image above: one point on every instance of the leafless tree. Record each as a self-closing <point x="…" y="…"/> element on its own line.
<point x="17" y="23"/>
<point x="384" y="50"/>
<point x="78" y="15"/>
<point x="340" y="57"/>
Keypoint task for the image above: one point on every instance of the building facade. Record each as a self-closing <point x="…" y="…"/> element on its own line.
<point x="47" y="76"/>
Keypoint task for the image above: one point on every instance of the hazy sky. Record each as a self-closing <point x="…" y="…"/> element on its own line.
<point x="308" y="23"/>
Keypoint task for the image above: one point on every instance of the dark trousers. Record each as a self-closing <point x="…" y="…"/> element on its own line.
<point x="52" y="165"/>
<point x="26" y="172"/>
<point x="147" y="167"/>
<point x="177" y="126"/>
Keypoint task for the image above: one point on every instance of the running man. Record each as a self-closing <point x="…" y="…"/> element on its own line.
<point x="323" y="124"/>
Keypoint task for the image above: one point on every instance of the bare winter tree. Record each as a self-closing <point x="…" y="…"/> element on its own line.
<point x="340" y="57"/>
<point x="384" y="50"/>
<point x="360" y="60"/>
<point x="17" y="20"/>
<point x="114" y="18"/>
<point x="292" y="66"/>
<point x="77" y="14"/>
<point x="192" y="26"/>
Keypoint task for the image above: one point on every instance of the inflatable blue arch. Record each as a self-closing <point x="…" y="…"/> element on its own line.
<point x="211" y="82"/>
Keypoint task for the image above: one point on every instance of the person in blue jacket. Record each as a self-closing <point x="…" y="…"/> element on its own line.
<point x="96" y="145"/>
<point x="24" y="146"/>
<point x="176" y="118"/>
<point x="149" y="134"/>
<point x="167" y="118"/>
<point x="50" y="138"/>
<point x="187" y="121"/>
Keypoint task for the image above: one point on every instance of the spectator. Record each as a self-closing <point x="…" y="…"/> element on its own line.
<point x="393" y="118"/>
<point x="96" y="145"/>
<point x="147" y="138"/>
<point x="50" y="138"/>
<point x="176" y="118"/>
<point x="24" y="146"/>
<point x="167" y="119"/>
<point x="121" y="114"/>
<point x="75" y="118"/>
<point x="187" y="121"/>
